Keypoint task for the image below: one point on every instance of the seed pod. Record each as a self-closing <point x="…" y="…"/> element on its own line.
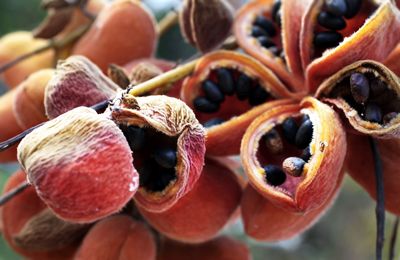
<point x="118" y="75"/>
<point x="143" y="72"/>
<point x="77" y="82"/>
<point x="319" y="178"/>
<point x="55" y="21"/>
<point x="221" y="248"/>
<point x="170" y="123"/>
<point x="236" y="113"/>
<point x="80" y="164"/>
<point x="206" y="23"/>
<point x="367" y="118"/>
<point x="218" y="192"/>
<point x="118" y="237"/>
<point x="19" y="212"/>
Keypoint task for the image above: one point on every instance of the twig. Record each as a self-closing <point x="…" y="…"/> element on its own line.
<point x="169" y="20"/>
<point x="380" y="199"/>
<point x="392" y="248"/>
<point x="14" y="192"/>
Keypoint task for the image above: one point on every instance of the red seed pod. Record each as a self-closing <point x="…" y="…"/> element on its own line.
<point x="80" y="164"/>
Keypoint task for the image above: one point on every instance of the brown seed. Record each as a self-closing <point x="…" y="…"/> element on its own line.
<point x="273" y="141"/>
<point x="293" y="166"/>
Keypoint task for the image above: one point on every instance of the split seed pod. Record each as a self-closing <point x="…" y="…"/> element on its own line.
<point x="244" y="89"/>
<point x="377" y="113"/>
<point x="321" y="135"/>
<point x="80" y="164"/>
<point x="168" y="145"/>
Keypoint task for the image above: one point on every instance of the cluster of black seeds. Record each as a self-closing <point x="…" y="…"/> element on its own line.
<point x="228" y="82"/>
<point x="156" y="155"/>
<point x="332" y="18"/>
<point x="295" y="132"/>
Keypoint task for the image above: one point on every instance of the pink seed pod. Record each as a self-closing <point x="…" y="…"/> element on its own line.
<point x="80" y="164"/>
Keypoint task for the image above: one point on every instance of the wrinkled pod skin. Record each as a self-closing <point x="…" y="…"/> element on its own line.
<point x="321" y="172"/>
<point x="124" y="30"/>
<point x="220" y="248"/>
<point x="17" y="214"/>
<point x="336" y="89"/>
<point x="118" y="237"/>
<point x="77" y="82"/>
<point x="205" y="210"/>
<point x="171" y="119"/>
<point x="229" y="133"/>
<point x="80" y="165"/>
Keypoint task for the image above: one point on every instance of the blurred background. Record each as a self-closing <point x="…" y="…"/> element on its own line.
<point x="347" y="231"/>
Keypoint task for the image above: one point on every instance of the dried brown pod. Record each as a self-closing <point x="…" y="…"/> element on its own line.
<point x="55" y="21"/>
<point x="143" y="72"/>
<point x="206" y="23"/>
<point x="118" y="75"/>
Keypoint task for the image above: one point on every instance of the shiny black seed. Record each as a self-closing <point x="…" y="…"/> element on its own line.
<point x="273" y="141"/>
<point x="275" y="9"/>
<point x="293" y="166"/>
<point x="304" y="135"/>
<point x="336" y="7"/>
<point x="257" y="96"/>
<point x="327" y="39"/>
<point x="265" y="41"/>
<point x="331" y="21"/>
<point x="225" y="81"/>
<point x="204" y="105"/>
<point x="136" y="137"/>
<point x="306" y="154"/>
<point x="265" y="24"/>
<point x="353" y="7"/>
<point x="304" y="118"/>
<point x="289" y="129"/>
<point x="165" y="157"/>
<point x="257" y="31"/>
<point x="373" y="113"/>
<point x="274" y="175"/>
<point x="212" y="91"/>
<point x="359" y="87"/>
<point x="213" y="122"/>
<point x="377" y="87"/>
<point x="243" y="86"/>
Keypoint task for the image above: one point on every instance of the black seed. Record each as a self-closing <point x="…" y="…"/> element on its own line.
<point x="336" y="7"/>
<point x="373" y="113"/>
<point x="274" y="175"/>
<point x="265" y="41"/>
<point x="136" y="137"/>
<point x="165" y="157"/>
<point x="212" y="91"/>
<point x="204" y="105"/>
<point x="353" y="7"/>
<point x="225" y="81"/>
<point x="331" y="21"/>
<point x="265" y="24"/>
<point x="273" y="141"/>
<point x="377" y="87"/>
<point x="289" y="129"/>
<point x="243" y="86"/>
<point x="389" y="116"/>
<point x="275" y="50"/>
<point x="327" y="39"/>
<point x="306" y="154"/>
<point x="257" y="96"/>
<point x="275" y="9"/>
<point x="293" y="166"/>
<point x="359" y="87"/>
<point x="257" y="31"/>
<point x="155" y="178"/>
<point x="213" y="122"/>
<point x="304" y="118"/>
<point x="304" y="135"/>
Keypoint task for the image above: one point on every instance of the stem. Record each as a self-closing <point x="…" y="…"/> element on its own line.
<point x="392" y="250"/>
<point x="169" y="20"/>
<point x="380" y="199"/>
<point x="57" y="44"/>
<point x="163" y="79"/>
<point x="12" y="193"/>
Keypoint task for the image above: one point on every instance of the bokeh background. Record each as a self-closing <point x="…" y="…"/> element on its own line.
<point x="347" y="231"/>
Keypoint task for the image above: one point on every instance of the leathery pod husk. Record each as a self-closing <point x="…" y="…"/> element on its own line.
<point x="227" y="91"/>
<point x="293" y="154"/>
<point x="77" y="82"/>
<point x="360" y="39"/>
<point x="360" y="165"/>
<point x="368" y="94"/>
<point x="80" y="165"/>
<point x="168" y="144"/>
<point x="205" y="210"/>
<point x="16" y="216"/>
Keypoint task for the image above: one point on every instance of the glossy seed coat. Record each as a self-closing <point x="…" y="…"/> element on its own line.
<point x="265" y="41"/>
<point x="258" y="96"/>
<point x="327" y="39"/>
<point x="373" y="113"/>
<point x="304" y="134"/>
<point x="166" y="157"/>
<point x="289" y="129"/>
<point x="213" y="122"/>
<point x="265" y="24"/>
<point x="336" y="7"/>
<point x="359" y="87"/>
<point x="204" y="105"/>
<point x="243" y="87"/>
<point x="225" y="81"/>
<point x="331" y="21"/>
<point x="353" y="7"/>
<point x="212" y="91"/>
<point x="274" y="175"/>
